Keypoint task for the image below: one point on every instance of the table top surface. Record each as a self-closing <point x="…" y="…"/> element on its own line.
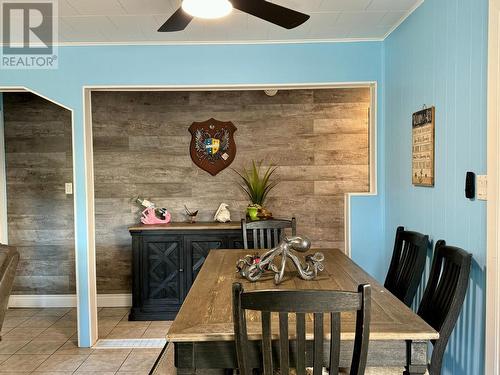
<point x="206" y="314"/>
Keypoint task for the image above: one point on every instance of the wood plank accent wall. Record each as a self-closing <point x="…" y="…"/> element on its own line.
<point x="40" y="214"/>
<point x="319" y="138"/>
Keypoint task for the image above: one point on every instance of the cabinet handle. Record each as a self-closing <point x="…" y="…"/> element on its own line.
<point x="181" y="270"/>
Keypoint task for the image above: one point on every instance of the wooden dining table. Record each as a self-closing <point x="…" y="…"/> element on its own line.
<point x="203" y="335"/>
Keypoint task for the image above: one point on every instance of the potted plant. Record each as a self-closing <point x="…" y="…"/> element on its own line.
<point x="257" y="183"/>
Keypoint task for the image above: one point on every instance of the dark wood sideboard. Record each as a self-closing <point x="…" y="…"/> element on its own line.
<point x="166" y="260"/>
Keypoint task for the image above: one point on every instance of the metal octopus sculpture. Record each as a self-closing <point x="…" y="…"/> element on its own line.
<point x="252" y="267"/>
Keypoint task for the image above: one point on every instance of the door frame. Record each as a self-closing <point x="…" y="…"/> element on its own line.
<point x="3" y="179"/>
<point x="492" y="331"/>
<point x="89" y="156"/>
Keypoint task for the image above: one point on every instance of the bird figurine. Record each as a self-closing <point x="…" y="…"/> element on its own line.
<point x="191" y="215"/>
<point x="222" y="215"/>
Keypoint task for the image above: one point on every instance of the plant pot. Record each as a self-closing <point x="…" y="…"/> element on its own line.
<point x="252" y="213"/>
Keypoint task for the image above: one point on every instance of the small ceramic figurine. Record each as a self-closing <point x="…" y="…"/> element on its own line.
<point x="222" y="215"/>
<point x="191" y="215"/>
<point x="149" y="216"/>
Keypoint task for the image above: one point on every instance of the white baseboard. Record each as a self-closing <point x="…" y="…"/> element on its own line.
<point x="67" y="300"/>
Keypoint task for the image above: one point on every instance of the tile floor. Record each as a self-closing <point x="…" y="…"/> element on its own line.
<point x="44" y="341"/>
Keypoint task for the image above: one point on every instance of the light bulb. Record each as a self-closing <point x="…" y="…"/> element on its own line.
<point x="208" y="9"/>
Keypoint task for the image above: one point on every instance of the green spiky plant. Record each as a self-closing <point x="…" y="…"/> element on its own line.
<point x="257" y="183"/>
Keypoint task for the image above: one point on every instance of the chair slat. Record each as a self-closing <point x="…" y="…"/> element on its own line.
<point x="267" y="352"/>
<point x="263" y="231"/>
<point x="284" y="344"/>
<point x="301" y="344"/>
<point x="318" y="344"/>
<point x="334" y="343"/>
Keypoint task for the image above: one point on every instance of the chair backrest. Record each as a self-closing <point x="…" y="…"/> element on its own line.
<point x="266" y="234"/>
<point x="302" y="302"/>
<point x="407" y="264"/>
<point x="444" y="296"/>
<point x="9" y="258"/>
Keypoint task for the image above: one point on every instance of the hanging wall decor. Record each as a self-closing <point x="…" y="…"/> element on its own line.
<point x="423" y="147"/>
<point x="212" y="145"/>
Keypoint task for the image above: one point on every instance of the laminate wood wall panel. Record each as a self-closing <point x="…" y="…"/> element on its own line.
<point x="319" y="138"/>
<point x="40" y="214"/>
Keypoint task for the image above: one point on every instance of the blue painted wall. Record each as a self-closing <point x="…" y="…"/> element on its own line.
<point x="198" y="65"/>
<point x="438" y="56"/>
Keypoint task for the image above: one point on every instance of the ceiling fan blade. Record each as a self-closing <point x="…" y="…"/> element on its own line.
<point x="177" y="22"/>
<point x="281" y="16"/>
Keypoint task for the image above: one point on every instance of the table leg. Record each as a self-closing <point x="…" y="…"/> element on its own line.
<point x="416" y="358"/>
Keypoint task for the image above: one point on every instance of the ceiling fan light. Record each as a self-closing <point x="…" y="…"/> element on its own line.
<point x="208" y="9"/>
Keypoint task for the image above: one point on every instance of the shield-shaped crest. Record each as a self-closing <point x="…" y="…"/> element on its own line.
<point x="212" y="145"/>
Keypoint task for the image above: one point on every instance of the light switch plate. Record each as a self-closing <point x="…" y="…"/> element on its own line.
<point x="482" y="187"/>
<point x="68" y="188"/>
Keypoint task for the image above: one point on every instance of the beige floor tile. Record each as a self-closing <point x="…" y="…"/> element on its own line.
<point x="139" y="361"/>
<point x="40" y="321"/>
<point x="161" y="324"/>
<point x="102" y="362"/>
<point x="155" y="333"/>
<point x="71" y="347"/>
<point x="95" y="373"/>
<point x="20" y="363"/>
<point x="114" y="311"/>
<point x="51" y="373"/>
<point x="128" y="323"/>
<point x="58" y="333"/>
<point x="11" y="346"/>
<point x="65" y="323"/>
<point x="54" y="311"/>
<point x="126" y="333"/>
<point x="156" y="351"/>
<point x="41" y="346"/>
<point x="22" y="333"/>
<point x="62" y="363"/>
<point x="108" y="320"/>
<point x="111" y="352"/>
<point x="104" y="330"/>
<point x="4" y="357"/>
<point x="6" y="330"/>
<point x="21" y="312"/>
<point x="14" y="321"/>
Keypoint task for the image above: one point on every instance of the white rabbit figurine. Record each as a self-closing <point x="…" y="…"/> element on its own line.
<point x="222" y="215"/>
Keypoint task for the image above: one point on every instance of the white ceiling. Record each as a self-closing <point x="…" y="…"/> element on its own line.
<point x="136" y="21"/>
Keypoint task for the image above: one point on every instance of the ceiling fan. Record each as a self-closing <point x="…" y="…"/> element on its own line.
<point x="210" y="9"/>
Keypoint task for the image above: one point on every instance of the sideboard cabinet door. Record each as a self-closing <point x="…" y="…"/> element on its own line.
<point x="162" y="273"/>
<point x="198" y="247"/>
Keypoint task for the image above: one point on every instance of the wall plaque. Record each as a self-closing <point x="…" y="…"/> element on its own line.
<point x="423" y="147"/>
<point x="212" y="145"/>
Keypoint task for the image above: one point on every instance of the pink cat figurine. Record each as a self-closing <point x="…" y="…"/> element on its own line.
<point x="148" y="216"/>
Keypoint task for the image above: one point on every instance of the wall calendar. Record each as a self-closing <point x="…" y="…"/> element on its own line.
<point x="423" y="147"/>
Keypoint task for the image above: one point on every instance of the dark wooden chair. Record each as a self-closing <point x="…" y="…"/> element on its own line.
<point x="317" y="302"/>
<point x="407" y="264"/>
<point x="444" y="296"/>
<point x="266" y="234"/>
